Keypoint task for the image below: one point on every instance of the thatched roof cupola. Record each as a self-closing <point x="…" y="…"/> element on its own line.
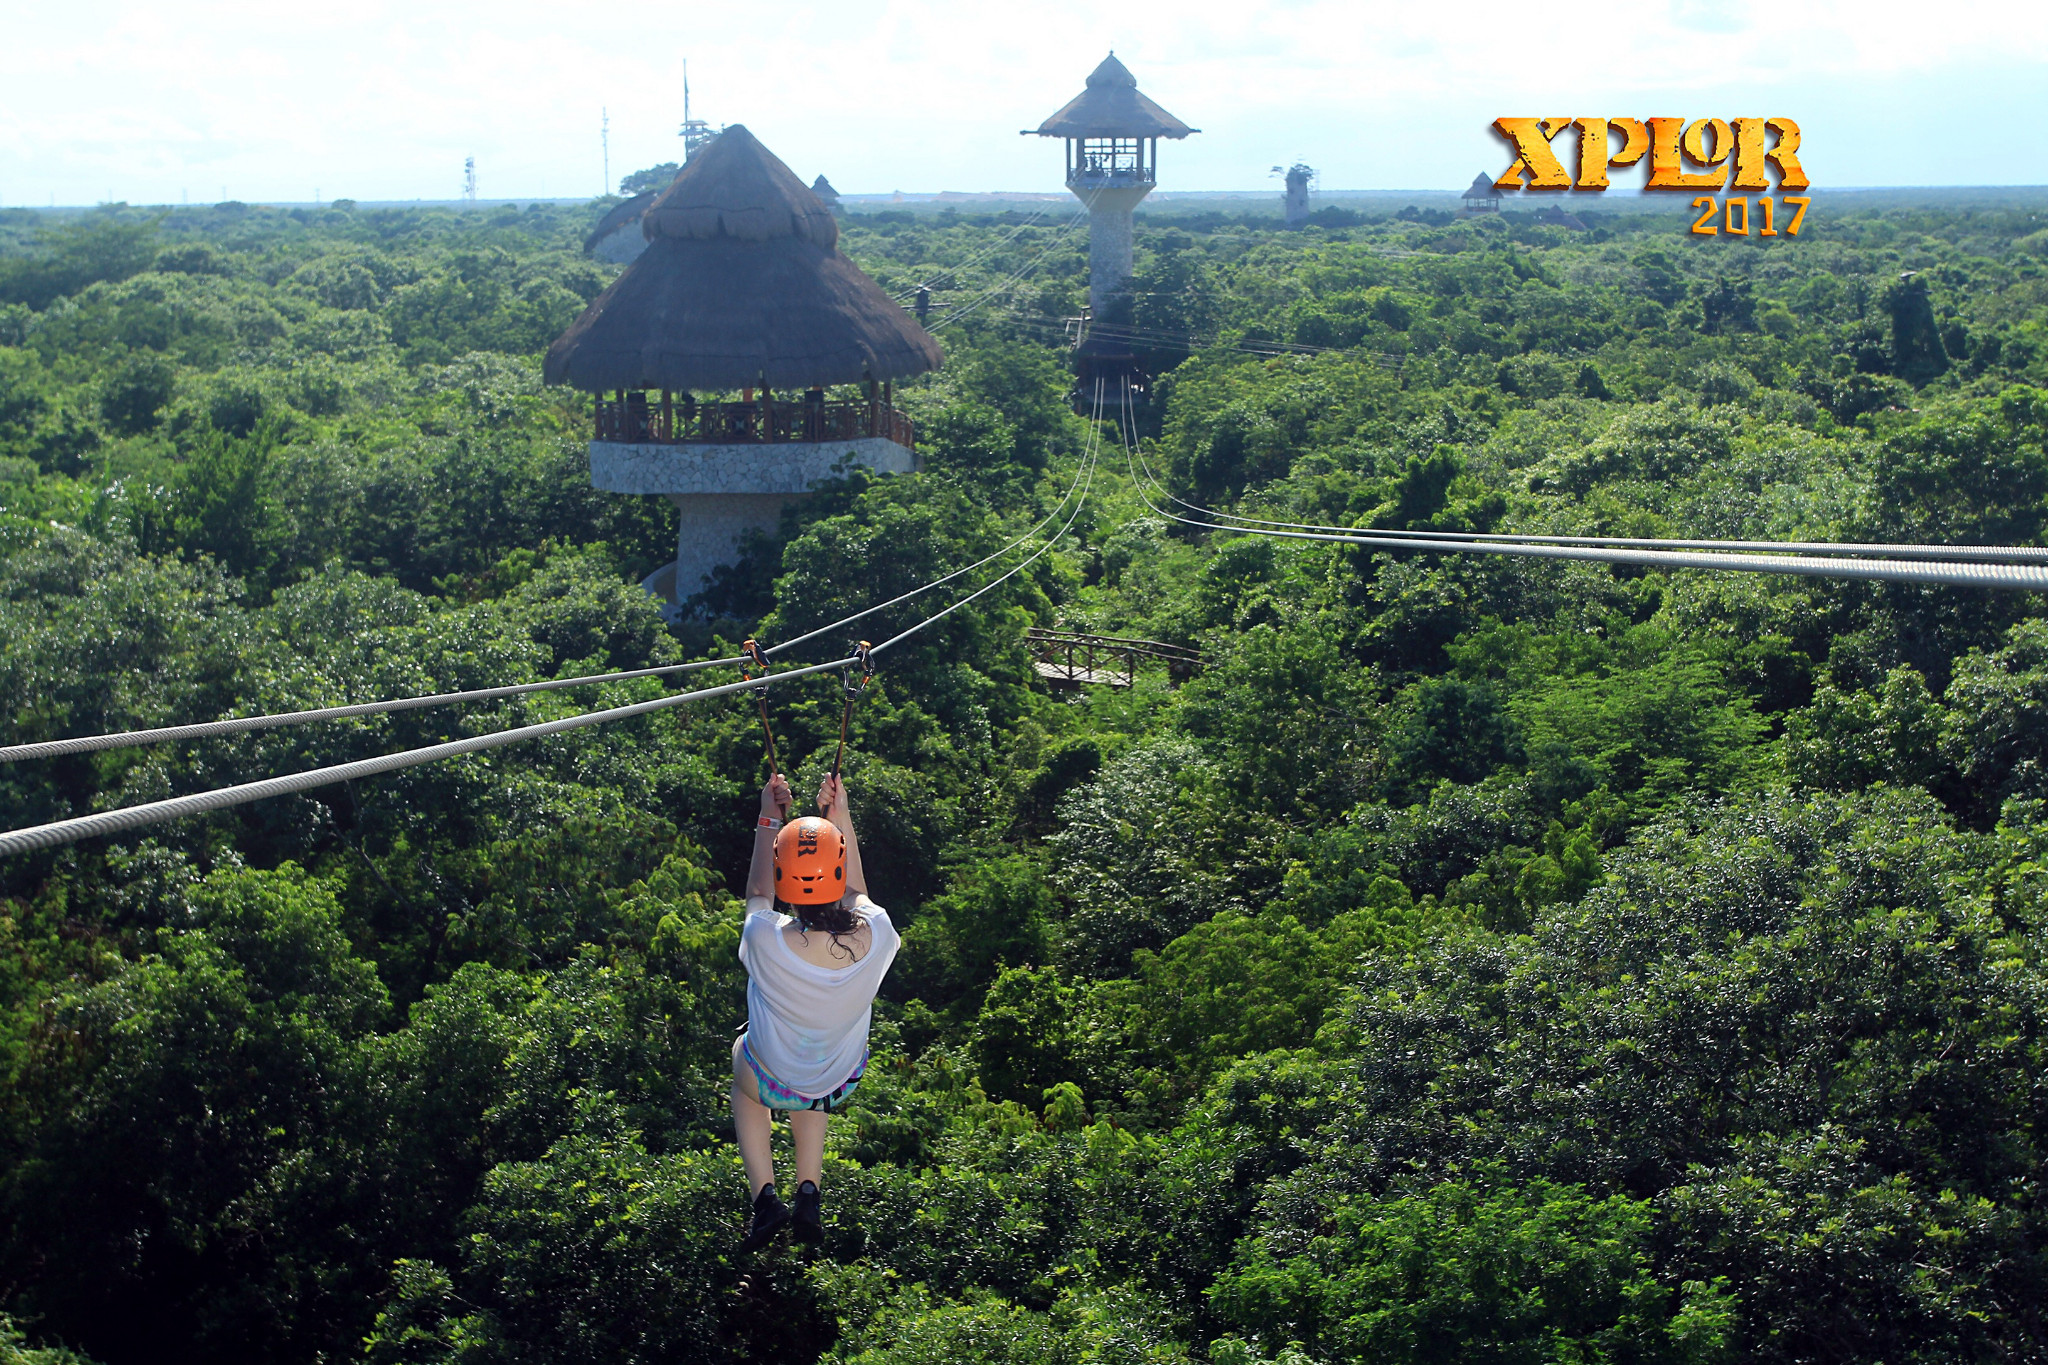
<point x="742" y="283"/>
<point x="1112" y="107"/>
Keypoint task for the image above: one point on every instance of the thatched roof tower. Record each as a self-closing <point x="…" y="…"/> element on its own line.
<point x="1483" y="197"/>
<point x="1112" y="137"/>
<point x="742" y="283"/>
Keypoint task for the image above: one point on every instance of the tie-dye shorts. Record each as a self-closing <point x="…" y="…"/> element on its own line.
<point x="775" y="1095"/>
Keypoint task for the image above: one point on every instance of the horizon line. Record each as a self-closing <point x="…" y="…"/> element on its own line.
<point x="1586" y="199"/>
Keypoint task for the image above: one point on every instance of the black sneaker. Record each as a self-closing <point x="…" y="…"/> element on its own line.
<point x="771" y="1216"/>
<point x="807" y="1215"/>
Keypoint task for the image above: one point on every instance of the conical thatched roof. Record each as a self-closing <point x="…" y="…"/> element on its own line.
<point x="1482" y="188"/>
<point x="1112" y="107"/>
<point x="742" y="282"/>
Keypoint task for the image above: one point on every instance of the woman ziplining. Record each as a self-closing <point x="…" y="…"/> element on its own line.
<point x="810" y="1000"/>
<point x="816" y="950"/>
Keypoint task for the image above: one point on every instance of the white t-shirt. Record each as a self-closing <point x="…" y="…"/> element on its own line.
<point x="808" y="1025"/>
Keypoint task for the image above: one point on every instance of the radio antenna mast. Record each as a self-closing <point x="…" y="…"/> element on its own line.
<point x="695" y="131"/>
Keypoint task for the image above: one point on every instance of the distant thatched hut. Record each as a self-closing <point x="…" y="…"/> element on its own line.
<point x="1552" y="216"/>
<point x="1483" y="197"/>
<point x="741" y="288"/>
<point x="827" y="196"/>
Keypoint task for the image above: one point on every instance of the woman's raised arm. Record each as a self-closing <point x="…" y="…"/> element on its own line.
<point x="775" y="798"/>
<point x="832" y="801"/>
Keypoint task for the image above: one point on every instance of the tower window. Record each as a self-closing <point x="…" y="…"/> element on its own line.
<point x="1101" y="158"/>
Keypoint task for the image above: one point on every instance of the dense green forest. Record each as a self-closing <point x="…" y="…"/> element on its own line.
<point x="1476" y="960"/>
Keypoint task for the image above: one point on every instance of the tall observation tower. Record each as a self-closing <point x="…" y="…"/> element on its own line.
<point x="740" y="359"/>
<point x="1112" y="134"/>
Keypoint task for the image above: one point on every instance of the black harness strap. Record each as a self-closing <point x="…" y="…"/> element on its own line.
<point x="854" y="692"/>
<point x="756" y="659"/>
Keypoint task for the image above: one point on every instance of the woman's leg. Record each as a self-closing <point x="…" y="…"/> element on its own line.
<point x="807" y="1129"/>
<point x="750" y="1124"/>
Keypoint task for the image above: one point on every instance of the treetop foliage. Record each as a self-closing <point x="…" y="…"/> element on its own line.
<point x="1471" y="959"/>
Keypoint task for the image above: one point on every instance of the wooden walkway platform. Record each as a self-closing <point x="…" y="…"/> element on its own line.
<point x="1083" y="677"/>
<point x="1067" y="658"/>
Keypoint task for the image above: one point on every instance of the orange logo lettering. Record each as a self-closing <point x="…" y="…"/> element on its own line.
<point x="1682" y="155"/>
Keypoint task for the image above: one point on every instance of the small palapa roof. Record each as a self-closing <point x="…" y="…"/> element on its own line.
<point x="823" y="189"/>
<point x="742" y="283"/>
<point x="628" y="211"/>
<point x="1482" y="188"/>
<point x="1112" y="107"/>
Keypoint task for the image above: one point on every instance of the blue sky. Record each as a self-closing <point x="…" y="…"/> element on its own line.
<point x="154" y="103"/>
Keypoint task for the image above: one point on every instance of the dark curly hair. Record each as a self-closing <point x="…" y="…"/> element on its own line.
<point x="834" y="919"/>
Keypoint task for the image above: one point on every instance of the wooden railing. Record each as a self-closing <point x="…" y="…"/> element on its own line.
<point x="665" y="420"/>
<point x="1073" y="658"/>
<point x="1087" y="177"/>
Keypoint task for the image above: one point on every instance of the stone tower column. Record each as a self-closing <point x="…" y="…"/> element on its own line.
<point x="723" y="491"/>
<point x="1109" y="238"/>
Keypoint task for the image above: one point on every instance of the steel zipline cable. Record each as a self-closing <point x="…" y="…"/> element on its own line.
<point x="2010" y="554"/>
<point x="2003" y="554"/>
<point x="1969" y="574"/>
<point x="906" y="296"/>
<point x="1968" y="554"/>
<point x="1088" y="461"/>
<point x="1072" y="488"/>
<point x="54" y="748"/>
<point x="130" y="817"/>
<point x="966" y="310"/>
<point x="977" y="257"/>
<point x="1188" y="341"/>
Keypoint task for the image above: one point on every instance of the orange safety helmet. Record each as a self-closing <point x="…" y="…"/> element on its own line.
<point x="810" y="862"/>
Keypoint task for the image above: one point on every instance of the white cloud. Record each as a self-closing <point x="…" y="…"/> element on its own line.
<point x="381" y="99"/>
